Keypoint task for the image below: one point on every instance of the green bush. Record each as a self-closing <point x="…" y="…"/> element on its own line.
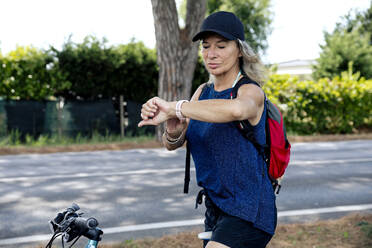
<point x="30" y="74"/>
<point x="136" y="75"/>
<point x="96" y="70"/>
<point x="338" y="106"/>
<point x="90" y="70"/>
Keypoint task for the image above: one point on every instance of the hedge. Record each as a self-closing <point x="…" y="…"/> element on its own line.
<point x="93" y="71"/>
<point x="327" y="106"/>
<point x="90" y="70"/>
<point x="28" y="73"/>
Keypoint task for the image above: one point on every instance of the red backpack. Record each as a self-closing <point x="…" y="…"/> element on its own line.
<point x="276" y="151"/>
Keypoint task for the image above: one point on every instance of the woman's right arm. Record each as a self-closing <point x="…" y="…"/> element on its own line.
<point x="173" y="141"/>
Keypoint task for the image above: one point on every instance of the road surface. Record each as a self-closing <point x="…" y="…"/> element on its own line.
<point x="136" y="193"/>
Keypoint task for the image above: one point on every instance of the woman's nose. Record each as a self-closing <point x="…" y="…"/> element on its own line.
<point x="212" y="53"/>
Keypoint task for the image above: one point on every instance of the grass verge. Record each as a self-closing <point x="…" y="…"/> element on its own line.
<point x="45" y="144"/>
<point x="53" y="145"/>
<point x="352" y="231"/>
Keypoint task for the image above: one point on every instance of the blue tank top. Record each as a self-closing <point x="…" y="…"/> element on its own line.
<point x="230" y="168"/>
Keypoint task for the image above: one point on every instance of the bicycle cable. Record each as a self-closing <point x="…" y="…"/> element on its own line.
<point x="55" y="235"/>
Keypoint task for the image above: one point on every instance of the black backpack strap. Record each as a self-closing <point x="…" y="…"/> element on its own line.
<point x="244" y="126"/>
<point x="188" y="157"/>
<point x="187" y="170"/>
<point x="243" y="80"/>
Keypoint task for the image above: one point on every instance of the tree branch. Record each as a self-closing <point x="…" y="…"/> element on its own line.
<point x="194" y="16"/>
<point x="165" y="18"/>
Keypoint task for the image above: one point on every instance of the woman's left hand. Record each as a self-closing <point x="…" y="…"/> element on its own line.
<point x="155" y="111"/>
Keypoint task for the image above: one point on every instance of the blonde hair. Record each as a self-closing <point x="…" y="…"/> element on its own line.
<point x="250" y="64"/>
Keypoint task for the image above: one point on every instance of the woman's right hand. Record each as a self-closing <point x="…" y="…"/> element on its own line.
<point x="156" y="111"/>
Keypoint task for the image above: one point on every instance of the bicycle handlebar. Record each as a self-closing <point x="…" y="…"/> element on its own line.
<point x="72" y="226"/>
<point x="81" y="226"/>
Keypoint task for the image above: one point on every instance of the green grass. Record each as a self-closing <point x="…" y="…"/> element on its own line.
<point x="14" y="139"/>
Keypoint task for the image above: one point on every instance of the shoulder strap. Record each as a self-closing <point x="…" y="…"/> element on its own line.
<point x="188" y="157"/>
<point x="187" y="170"/>
<point x="243" y="80"/>
<point x="244" y="126"/>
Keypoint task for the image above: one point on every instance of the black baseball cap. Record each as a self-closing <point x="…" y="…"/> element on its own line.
<point x="223" y="23"/>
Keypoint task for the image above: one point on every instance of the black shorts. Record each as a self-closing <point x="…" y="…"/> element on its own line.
<point x="232" y="231"/>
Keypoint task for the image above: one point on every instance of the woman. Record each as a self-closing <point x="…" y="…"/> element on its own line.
<point x="240" y="201"/>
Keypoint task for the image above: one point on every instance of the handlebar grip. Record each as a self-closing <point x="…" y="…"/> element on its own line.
<point x="85" y="227"/>
<point x="92" y="223"/>
<point x="80" y="225"/>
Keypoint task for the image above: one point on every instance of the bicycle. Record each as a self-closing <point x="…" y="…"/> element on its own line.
<point x="71" y="226"/>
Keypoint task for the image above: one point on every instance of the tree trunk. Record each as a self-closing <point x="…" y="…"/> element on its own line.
<point x="176" y="53"/>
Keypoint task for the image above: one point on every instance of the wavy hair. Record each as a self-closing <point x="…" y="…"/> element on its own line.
<point x="251" y="64"/>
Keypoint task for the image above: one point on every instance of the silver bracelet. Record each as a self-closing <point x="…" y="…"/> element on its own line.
<point x="170" y="139"/>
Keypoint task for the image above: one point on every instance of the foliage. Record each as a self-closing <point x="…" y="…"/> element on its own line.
<point x="349" y="42"/>
<point x="366" y="228"/>
<point x="29" y="73"/>
<point x="90" y="70"/>
<point x="98" y="71"/>
<point x="361" y="21"/>
<point x="136" y="73"/>
<point x="255" y="16"/>
<point x="341" y="48"/>
<point x="366" y="22"/>
<point x="88" y="67"/>
<point x="341" y="105"/>
<point x="14" y="139"/>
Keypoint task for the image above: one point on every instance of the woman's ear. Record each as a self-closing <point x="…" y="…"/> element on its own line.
<point x="240" y="51"/>
<point x="240" y="54"/>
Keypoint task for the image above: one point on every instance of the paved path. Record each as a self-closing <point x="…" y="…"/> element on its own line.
<point x="142" y="189"/>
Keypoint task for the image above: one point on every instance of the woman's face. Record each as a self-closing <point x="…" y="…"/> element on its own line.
<point x="219" y="55"/>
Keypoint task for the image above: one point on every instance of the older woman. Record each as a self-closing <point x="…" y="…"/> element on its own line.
<point x="239" y="197"/>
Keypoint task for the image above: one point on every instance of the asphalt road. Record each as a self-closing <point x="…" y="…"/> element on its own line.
<point x="125" y="189"/>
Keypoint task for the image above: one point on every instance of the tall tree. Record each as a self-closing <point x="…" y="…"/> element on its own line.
<point x="176" y="54"/>
<point x="341" y="49"/>
<point x="350" y="42"/>
<point x="358" y="21"/>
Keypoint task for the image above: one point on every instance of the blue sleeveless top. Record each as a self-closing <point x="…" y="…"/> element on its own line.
<point x="230" y="168"/>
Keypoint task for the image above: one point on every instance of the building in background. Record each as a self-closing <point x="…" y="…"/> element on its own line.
<point x="301" y="68"/>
